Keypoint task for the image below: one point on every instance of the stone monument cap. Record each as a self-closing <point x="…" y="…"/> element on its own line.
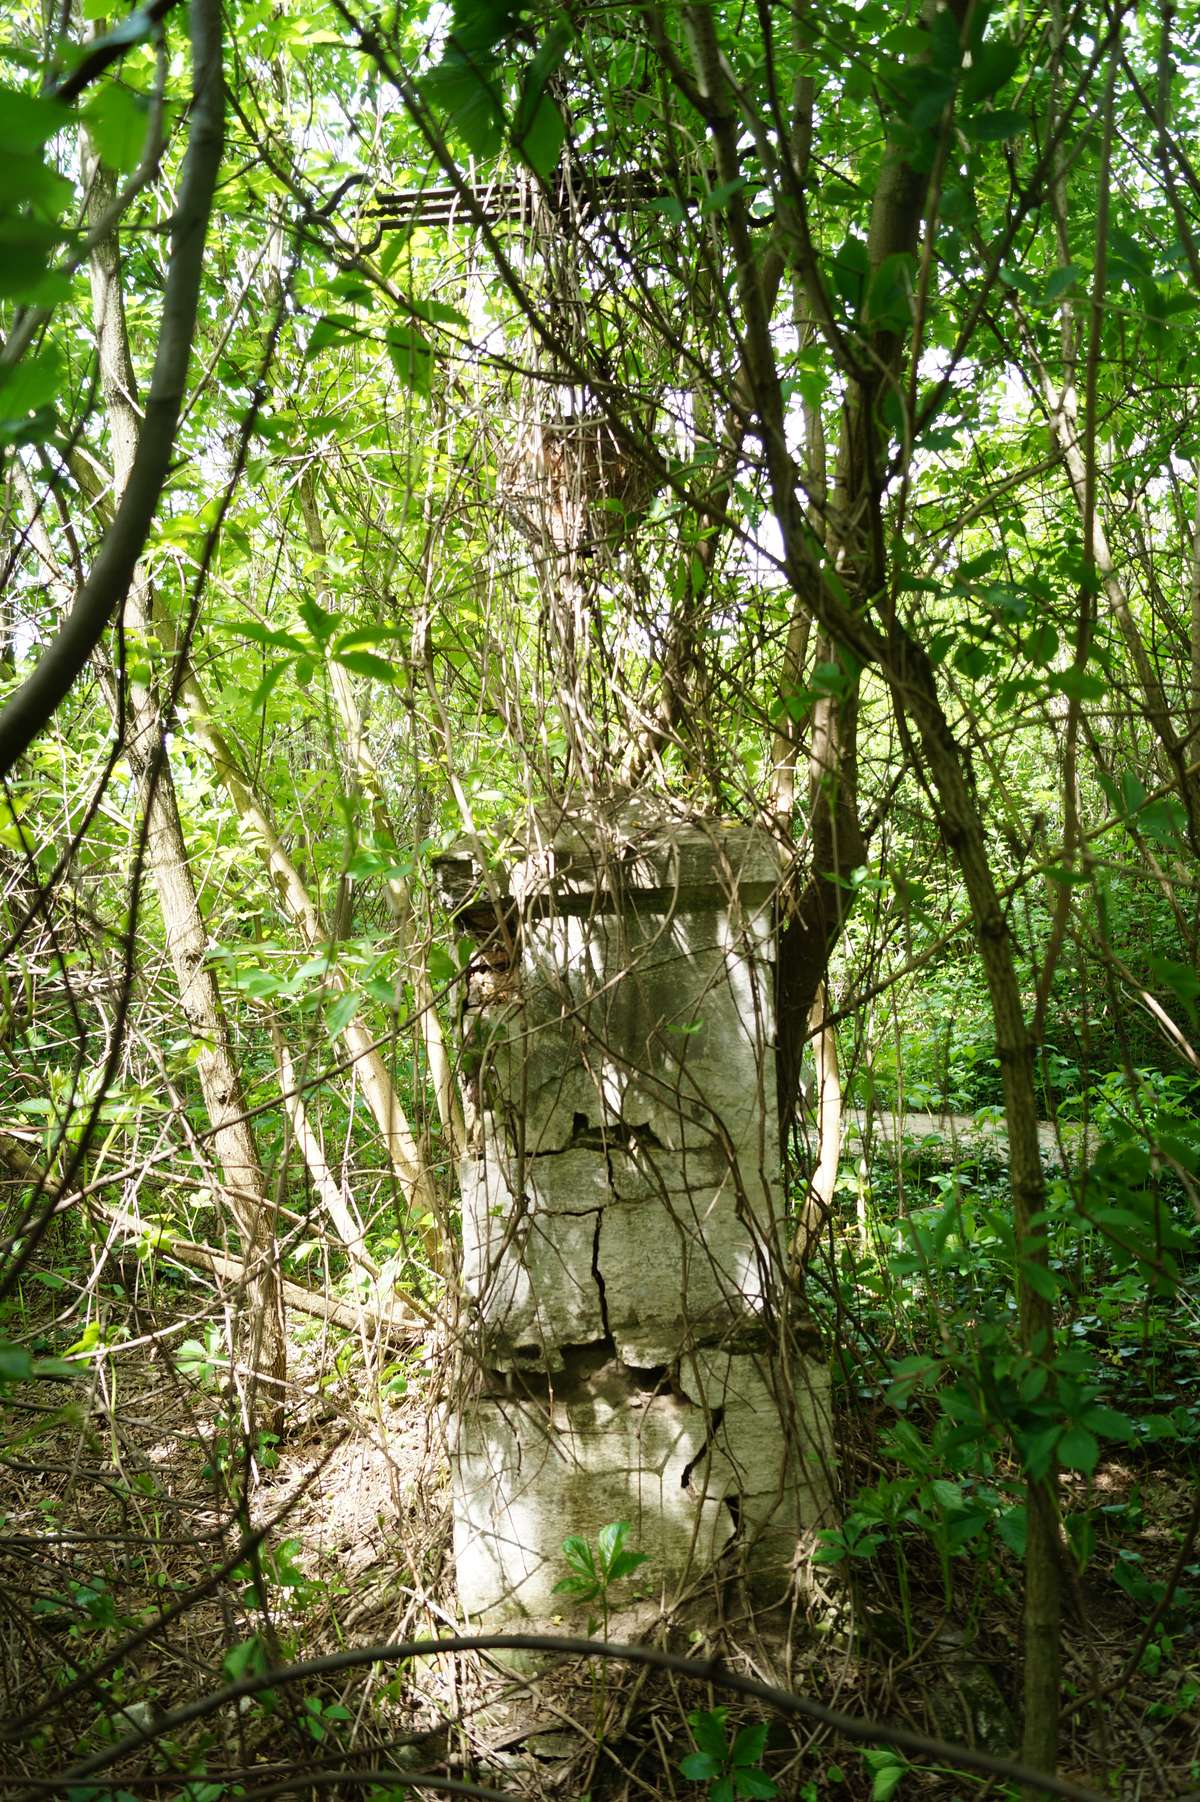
<point x="637" y="850"/>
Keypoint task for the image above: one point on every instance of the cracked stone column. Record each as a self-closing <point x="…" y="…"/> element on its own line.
<point x="631" y="1332"/>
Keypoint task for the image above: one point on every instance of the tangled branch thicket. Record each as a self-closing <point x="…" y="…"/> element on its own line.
<point x="785" y="421"/>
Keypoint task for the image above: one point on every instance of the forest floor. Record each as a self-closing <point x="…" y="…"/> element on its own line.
<point x="129" y="1588"/>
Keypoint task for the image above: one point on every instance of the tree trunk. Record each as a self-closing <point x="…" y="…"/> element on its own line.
<point x="817" y="1206"/>
<point x="847" y="608"/>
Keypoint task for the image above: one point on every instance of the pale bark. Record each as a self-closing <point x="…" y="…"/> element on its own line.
<point x="817" y="1206"/>
<point x="243" y="1181"/>
<point x="349" y="1230"/>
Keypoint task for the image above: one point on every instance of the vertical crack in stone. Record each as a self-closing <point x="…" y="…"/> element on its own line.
<point x="598" y="1276"/>
<point x="714" y="1427"/>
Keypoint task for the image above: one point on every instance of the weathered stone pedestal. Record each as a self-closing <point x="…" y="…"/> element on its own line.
<point x="630" y="1322"/>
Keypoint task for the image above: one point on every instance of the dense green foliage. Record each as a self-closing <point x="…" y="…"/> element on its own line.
<point x="791" y="412"/>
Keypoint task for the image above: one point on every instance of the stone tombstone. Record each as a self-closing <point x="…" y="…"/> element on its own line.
<point x="629" y="1340"/>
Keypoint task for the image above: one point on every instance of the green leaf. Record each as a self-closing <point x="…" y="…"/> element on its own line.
<point x="992" y="67"/>
<point x="888" y="305"/>
<point x="268" y="635"/>
<point x="946" y="1494"/>
<point x="584" y="1589"/>
<point x="16" y="1364"/>
<point x="540" y="144"/>
<point x="578" y="1553"/>
<point x="443" y="969"/>
<point x="1012" y="1528"/>
<point x="1181" y="981"/>
<point x="995" y="127"/>
<point x="26" y="247"/>
<point x="1038" y="1450"/>
<point x="342" y="1011"/>
<point x="366" y="663"/>
<point x="1133" y="792"/>
<point x="625" y="1563"/>
<point x="246" y="1660"/>
<point x="755" y="1784"/>
<point x="610" y="1539"/>
<point x="411" y="356"/>
<point x="271" y="679"/>
<point x="973" y="661"/>
<point x="1078" y="685"/>
<point x="749" y="1745"/>
<point x="708" y="1731"/>
<point x="117" y="120"/>
<point x="369" y="635"/>
<point x="462" y="89"/>
<point x="28" y="120"/>
<point x="700" y="1767"/>
<point x="1043" y="1282"/>
<point x="1110" y="1424"/>
<point x="933" y="90"/>
<point x="1060" y="282"/>
<point x="27" y="393"/>
<point x="724" y="191"/>
<point x="1079" y="1449"/>
<point x="1041" y="644"/>
<point x="887" y="1768"/>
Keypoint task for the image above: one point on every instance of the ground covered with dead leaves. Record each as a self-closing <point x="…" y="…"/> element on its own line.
<point x="159" y="1588"/>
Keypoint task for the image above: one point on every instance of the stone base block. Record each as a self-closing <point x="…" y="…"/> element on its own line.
<point x="701" y="1467"/>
